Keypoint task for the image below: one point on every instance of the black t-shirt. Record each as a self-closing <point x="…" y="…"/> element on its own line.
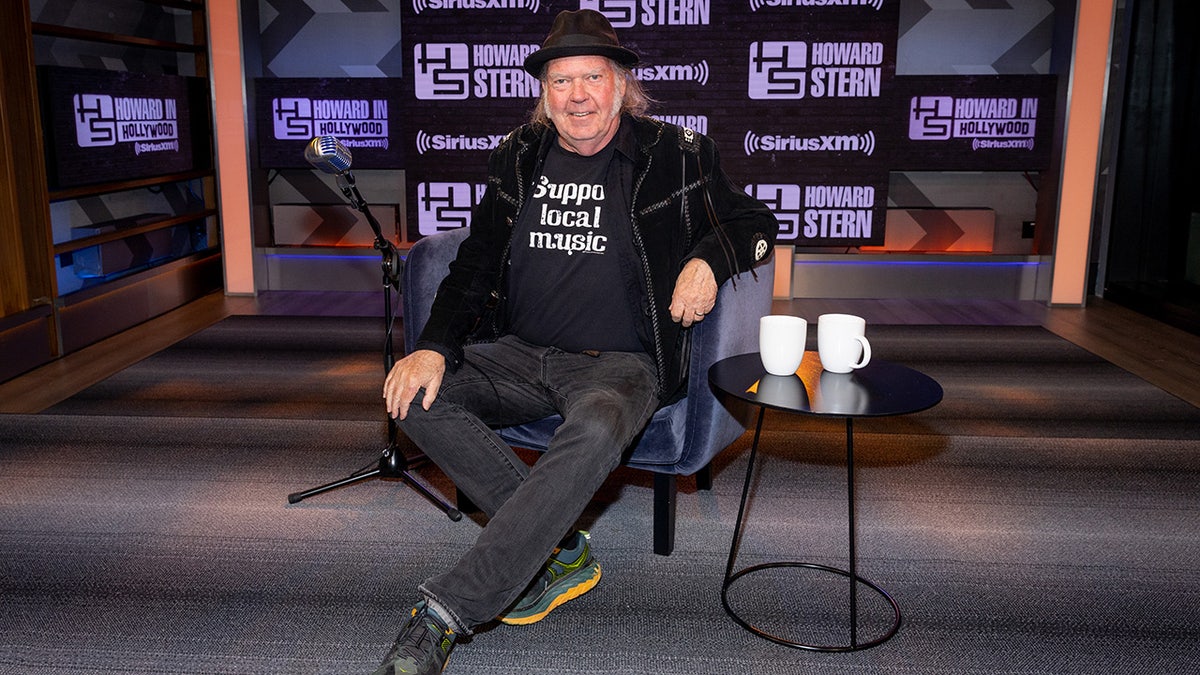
<point x="566" y="288"/>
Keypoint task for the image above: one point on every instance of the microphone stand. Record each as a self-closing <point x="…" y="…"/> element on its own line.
<point x="392" y="463"/>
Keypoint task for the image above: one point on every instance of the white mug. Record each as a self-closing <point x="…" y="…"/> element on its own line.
<point x="781" y="341"/>
<point x="842" y="343"/>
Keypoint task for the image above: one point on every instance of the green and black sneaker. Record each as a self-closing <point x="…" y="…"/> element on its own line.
<point x="422" y="647"/>
<point x="570" y="572"/>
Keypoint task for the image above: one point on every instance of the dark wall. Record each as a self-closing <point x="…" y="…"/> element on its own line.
<point x="1153" y="261"/>
<point x="981" y="40"/>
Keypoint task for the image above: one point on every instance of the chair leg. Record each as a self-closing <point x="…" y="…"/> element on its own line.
<point x="665" y="491"/>
<point x="704" y="477"/>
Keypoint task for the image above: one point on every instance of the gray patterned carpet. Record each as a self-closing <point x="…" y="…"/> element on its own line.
<point x="1043" y="519"/>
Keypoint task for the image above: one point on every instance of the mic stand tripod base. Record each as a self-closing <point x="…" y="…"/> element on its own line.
<point x="392" y="464"/>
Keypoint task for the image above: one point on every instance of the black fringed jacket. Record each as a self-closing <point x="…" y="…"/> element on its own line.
<point x="682" y="206"/>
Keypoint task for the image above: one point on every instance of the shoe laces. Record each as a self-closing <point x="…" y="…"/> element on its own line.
<point x="424" y="633"/>
<point x="556" y="567"/>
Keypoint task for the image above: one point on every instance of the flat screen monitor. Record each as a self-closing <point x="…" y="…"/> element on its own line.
<point x="105" y="126"/>
<point x="362" y="113"/>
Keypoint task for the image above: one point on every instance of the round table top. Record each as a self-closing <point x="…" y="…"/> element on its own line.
<point x="879" y="389"/>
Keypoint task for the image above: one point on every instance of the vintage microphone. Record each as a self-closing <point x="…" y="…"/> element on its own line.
<point x="328" y="154"/>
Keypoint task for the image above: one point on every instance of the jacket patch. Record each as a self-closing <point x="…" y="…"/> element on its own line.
<point x="761" y="247"/>
<point x="689" y="140"/>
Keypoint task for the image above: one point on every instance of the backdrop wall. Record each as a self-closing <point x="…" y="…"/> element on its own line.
<point x="934" y="121"/>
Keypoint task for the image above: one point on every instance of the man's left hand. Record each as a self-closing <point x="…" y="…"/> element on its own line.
<point x="695" y="293"/>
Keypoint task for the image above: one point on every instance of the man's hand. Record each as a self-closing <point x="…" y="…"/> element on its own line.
<point x="695" y="293"/>
<point x="422" y="368"/>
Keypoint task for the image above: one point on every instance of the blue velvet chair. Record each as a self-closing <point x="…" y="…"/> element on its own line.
<point x="682" y="438"/>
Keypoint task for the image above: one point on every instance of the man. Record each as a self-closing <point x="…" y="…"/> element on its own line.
<point x="602" y="236"/>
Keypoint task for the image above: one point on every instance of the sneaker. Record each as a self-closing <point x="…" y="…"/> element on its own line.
<point x="569" y="573"/>
<point x="422" y="647"/>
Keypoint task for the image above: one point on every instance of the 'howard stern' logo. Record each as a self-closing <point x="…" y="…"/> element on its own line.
<point x="820" y="213"/>
<point x="864" y="143"/>
<point x="756" y="5"/>
<point x="434" y="5"/>
<point x="454" y="71"/>
<point x="445" y="206"/>
<point x="300" y="119"/>
<point x="699" y="123"/>
<point x="795" y="70"/>
<point x="151" y="124"/>
<point x="784" y="202"/>
<point x="631" y="13"/>
<point x="427" y="143"/>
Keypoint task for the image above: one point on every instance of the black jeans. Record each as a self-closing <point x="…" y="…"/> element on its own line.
<point x="605" y="401"/>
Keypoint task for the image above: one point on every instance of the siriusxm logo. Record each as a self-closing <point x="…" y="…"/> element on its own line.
<point x="435" y="5"/>
<point x="685" y="72"/>
<point x="302" y="118"/>
<point x="756" y="5"/>
<point x="796" y="69"/>
<point x="631" y="13"/>
<point x="456" y="71"/>
<point x="150" y="124"/>
<point x="445" y="206"/>
<point x="427" y="143"/>
<point x="864" y="143"/>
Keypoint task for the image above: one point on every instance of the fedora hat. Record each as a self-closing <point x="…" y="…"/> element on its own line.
<point x="580" y="33"/>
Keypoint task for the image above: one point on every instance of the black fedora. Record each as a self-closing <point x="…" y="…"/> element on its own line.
<point x="581" y="33"/>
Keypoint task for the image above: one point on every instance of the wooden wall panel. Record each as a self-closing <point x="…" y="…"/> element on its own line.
<point x="26" y="277"/>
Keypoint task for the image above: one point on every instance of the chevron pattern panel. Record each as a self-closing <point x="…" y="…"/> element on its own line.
<point x="937" y="230"/>
<point x="1008" y="197"/>
<point x="307" y="209"/>
<point x="975" y="37"/>
<point x="330" y="38"/>
<point x="144" y="19"/>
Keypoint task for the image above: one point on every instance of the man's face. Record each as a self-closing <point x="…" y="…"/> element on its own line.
<point x="583" y="99"/>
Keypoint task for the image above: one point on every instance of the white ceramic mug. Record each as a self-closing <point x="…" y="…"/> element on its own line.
<point x="842" y="342"/>
<point x="781" y="341"/>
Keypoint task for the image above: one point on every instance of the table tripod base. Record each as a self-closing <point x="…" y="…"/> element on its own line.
<point x="855" y="643"/>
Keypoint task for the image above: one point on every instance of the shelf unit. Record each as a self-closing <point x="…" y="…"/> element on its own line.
<point x="51" y="308"/>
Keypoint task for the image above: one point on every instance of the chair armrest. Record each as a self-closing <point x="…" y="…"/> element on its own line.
<point x="426" y="264"/>
<point x="730" y="329"/>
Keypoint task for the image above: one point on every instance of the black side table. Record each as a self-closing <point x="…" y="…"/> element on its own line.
<point x="880" y="389"/>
